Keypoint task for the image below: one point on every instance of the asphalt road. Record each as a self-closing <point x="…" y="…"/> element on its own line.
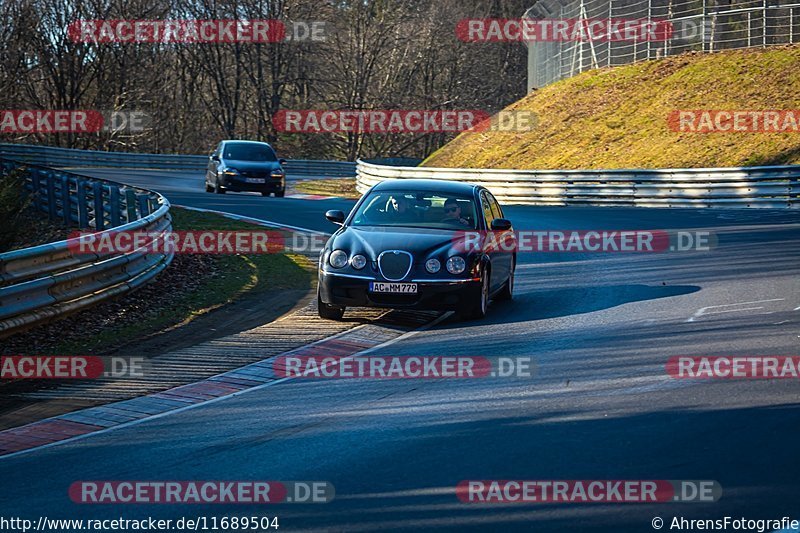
<point x="186" y="188"/>
<point x="600" y="328"/>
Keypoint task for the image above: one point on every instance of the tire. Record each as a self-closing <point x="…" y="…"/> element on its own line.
<point x="209" y="188"/>
<point x="264" y="193"/>
<point x="329" y="312"/>
<point x="280" y="194"/>
<point x="507" y="292"/>
<point x="480" y="307"/>
<point x="217" y="188"/>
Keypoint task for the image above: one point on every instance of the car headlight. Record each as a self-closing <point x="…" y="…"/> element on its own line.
<point x="456" y="265"/>
<point x="276" y="174"/>
<point x="433" y="266"/>
<point x="231" y="172"/>
<point x="358" y="261"/>
<point x="338" y="259"/>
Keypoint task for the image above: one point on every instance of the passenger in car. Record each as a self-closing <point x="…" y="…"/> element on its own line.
<point x="399" y="210"/>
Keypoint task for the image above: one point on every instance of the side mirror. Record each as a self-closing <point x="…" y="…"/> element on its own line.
<point x="214" y="157"/>
<point x="501" y="224"/>
<point x="335" y="216"/>
<point x="282" y="161"/>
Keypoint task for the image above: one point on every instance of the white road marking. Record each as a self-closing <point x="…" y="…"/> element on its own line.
<point x="258" y="221"/>
<point x="703" y="310"/>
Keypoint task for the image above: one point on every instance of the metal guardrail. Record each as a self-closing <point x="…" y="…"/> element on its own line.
<point x="43" y="282"/>
<point x="775" y="187"/>
<point x="67" y="157"/>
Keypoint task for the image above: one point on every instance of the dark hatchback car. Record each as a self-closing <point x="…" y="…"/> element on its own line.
<point x="418" y="244"/>
<point x="245" y="166"/>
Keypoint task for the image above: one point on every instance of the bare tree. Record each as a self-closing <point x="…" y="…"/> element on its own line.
<point x="378" y="54"/>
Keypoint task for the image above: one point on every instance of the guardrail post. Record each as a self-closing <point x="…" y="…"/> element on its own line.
<point x="66" y="200"/>
<point x="130" y="204"/>
<point x="114" y="210"/>
<point x="144" y="204"/>
<point x="51" y="195"/>
<point x="99" y="212"/>
<point x="83" y="208"/>
<point x="35" y="189"/>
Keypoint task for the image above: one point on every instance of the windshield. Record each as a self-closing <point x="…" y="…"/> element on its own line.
<point x="249" y="152"/>
<point x="422" y="210"/>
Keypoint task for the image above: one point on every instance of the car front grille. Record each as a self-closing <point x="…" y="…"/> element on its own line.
<point x="394" y="265"/>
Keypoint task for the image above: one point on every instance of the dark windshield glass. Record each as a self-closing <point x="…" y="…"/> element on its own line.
<point x="422" y="210"/>
<point x="249" y="152"/>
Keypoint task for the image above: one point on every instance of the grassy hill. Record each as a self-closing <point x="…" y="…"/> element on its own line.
<point x="618" y="117"/>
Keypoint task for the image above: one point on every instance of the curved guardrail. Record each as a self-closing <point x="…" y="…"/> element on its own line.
<point x="67" y="157"/>
<point x="51" y="280"/>
<point x="775" y="187"/>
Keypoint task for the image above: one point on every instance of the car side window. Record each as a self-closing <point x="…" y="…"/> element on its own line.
<point x="486" y="207"/>
<point x="497" y="212"/>
<point x="218" y="150"/>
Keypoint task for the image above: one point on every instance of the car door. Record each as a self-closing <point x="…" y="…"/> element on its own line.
<point x="500" y="257"/>
<point x="213" y="165"/>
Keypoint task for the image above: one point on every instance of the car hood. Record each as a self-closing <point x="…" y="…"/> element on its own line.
<point x="248" y="166"/>
<point x="420" y="242"/>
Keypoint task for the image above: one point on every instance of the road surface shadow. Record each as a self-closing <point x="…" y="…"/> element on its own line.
<point x="569" y="301"/>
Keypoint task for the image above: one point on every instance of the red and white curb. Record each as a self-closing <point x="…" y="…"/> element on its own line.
<point x="86" y="422"/>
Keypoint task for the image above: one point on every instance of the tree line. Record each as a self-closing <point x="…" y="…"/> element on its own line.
<point x="375" y="54"/>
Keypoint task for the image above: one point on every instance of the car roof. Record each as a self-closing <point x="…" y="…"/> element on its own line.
<point x="227" y="141"/>
<point x="422" y="185"/>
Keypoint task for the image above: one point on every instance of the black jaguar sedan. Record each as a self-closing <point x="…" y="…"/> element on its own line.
<point x="418" y="244"/>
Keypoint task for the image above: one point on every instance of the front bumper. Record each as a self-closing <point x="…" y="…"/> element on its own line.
<point x="434" y="295"/>
<point x="236" y="184"/>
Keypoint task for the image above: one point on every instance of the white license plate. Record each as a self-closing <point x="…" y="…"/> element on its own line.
<point x="399" y="288"/>
<point x="255" y="180"/>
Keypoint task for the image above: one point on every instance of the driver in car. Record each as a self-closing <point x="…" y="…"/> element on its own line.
<point x="452" y="213"/>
